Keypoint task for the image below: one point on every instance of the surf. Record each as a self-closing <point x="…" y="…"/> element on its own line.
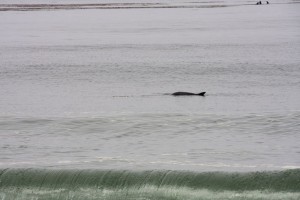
<point x="124" y="184"/>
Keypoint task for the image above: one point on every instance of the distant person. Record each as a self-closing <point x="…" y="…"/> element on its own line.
<point x="267" y="2"/>
<point x="258" y="3"/>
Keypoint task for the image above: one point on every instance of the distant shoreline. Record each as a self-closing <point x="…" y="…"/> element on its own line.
<point x="84" y="6"/>
<point x="36" y="7"/>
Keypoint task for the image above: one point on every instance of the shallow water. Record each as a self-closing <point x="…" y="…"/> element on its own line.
<point x="153" y="141"/>
<point x="90" y="89"/>
<point x="87" y="88"/>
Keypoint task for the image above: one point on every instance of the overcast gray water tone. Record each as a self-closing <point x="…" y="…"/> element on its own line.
<point x="90" y="88"/>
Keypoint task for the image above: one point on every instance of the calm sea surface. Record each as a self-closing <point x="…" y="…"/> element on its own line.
<point x="89" y="88"/>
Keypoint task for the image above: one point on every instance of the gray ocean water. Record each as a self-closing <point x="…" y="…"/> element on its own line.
<point x="88" y="88"/>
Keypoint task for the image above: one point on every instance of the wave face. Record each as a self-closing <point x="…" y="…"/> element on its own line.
<point x="107" y="184"/>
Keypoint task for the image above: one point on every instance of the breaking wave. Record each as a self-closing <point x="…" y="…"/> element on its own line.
<point x="111" y="184"/>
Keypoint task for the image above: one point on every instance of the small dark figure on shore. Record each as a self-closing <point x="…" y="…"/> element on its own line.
<point x="267" y="2"/>
<point x="258" y="3"/>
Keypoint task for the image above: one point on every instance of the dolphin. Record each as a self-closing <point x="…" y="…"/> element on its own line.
<point x="187" y="94"/>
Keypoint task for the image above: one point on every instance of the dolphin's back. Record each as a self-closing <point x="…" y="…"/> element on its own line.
<point x="187" y="94"/>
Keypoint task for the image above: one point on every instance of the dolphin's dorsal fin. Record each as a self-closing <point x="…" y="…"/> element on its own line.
<point x="202" y="93"/>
